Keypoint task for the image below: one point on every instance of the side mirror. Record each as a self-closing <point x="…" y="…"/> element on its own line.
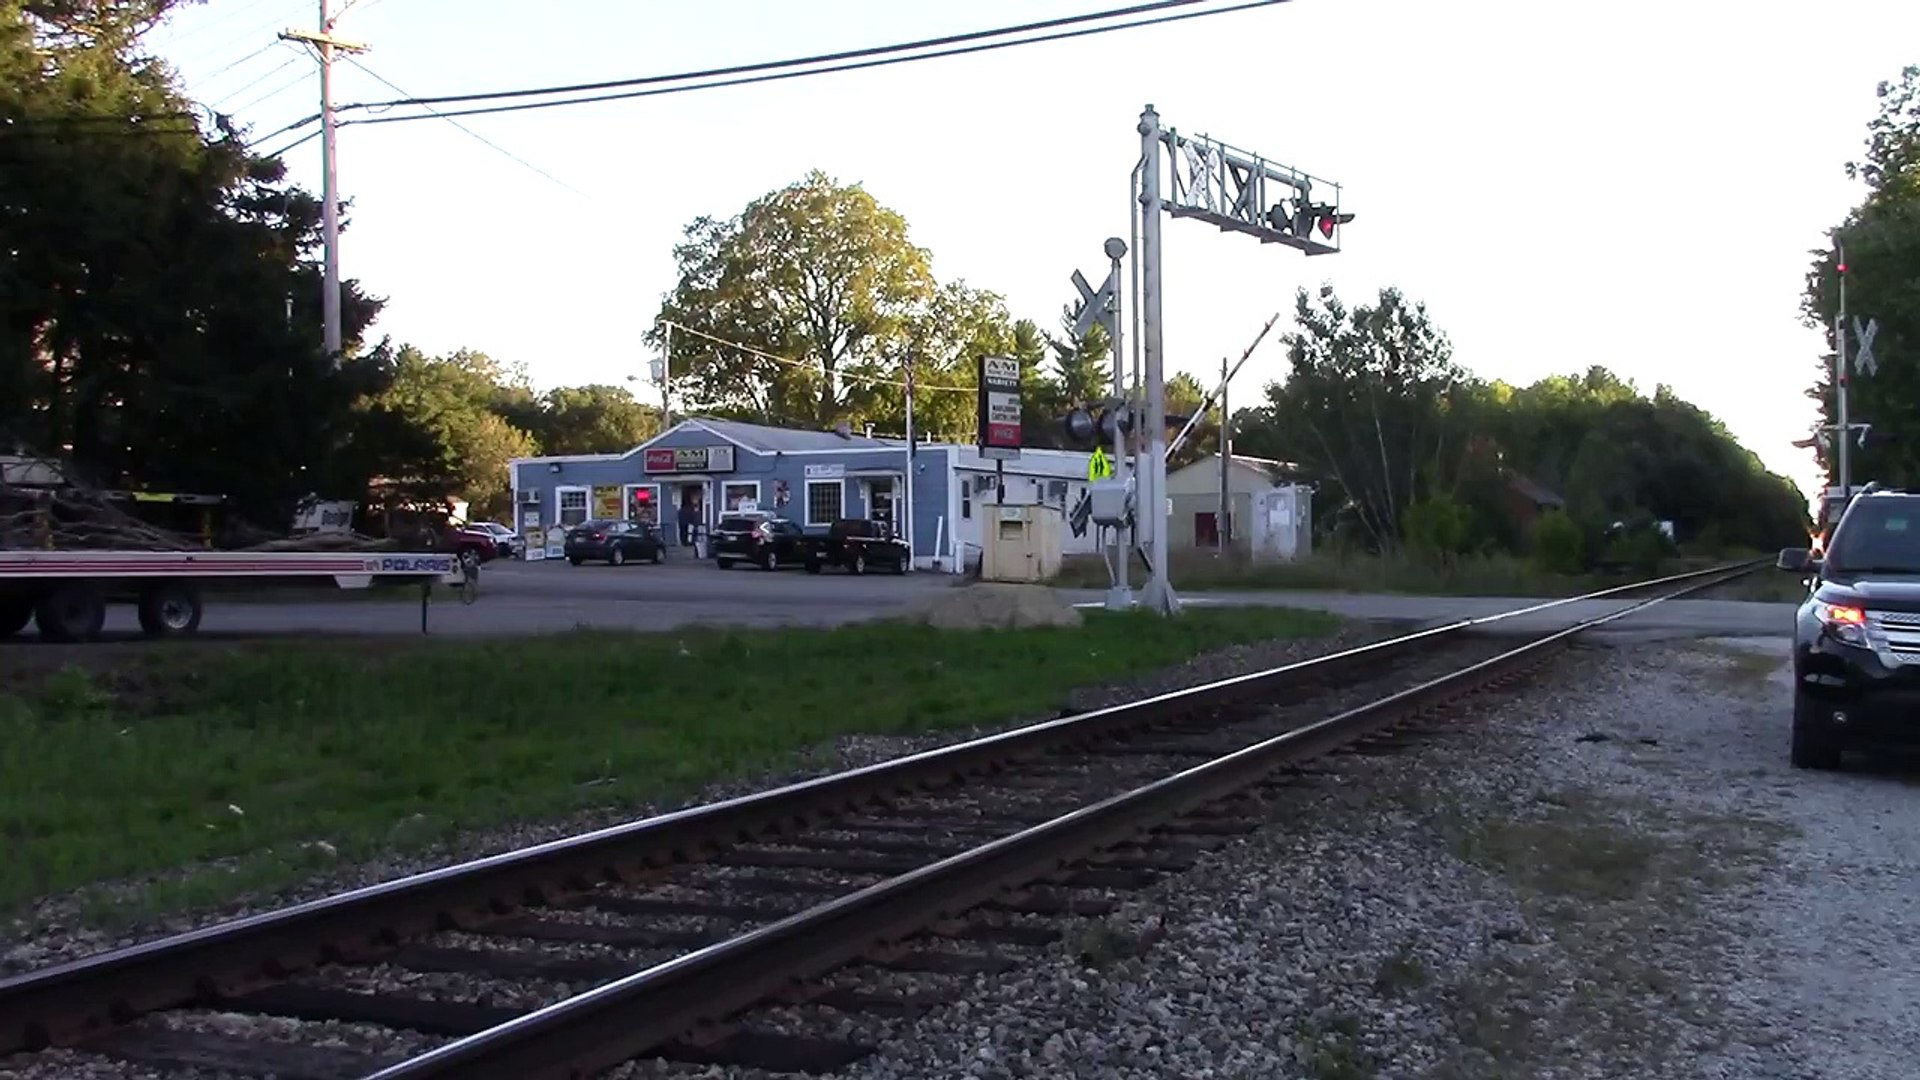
<point x="1797" y="560"/>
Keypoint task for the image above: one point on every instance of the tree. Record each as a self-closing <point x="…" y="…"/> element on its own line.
<point x="1368" y="404"/>
<point x="159" y="307"/>
<point x="817" y="274"/>
<point x="594" y="419"/>
<point x="462" y="442"/>
<point x="1882" y="241"/>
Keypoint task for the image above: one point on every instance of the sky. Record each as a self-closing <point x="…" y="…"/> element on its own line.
<point x="1636" y="183"/>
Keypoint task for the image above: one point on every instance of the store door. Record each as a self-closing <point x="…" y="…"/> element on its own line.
<point x="883" y="502"/>
<point x="690" y="509"/>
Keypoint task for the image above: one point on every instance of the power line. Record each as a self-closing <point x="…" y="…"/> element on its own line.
<point x="222" y="70"/>
<point x="843" y="376"/>
<point x="769" y="74"/>
<point x="503" y="151"/>
<point x="257" y="80"/>
<point x="767" y="65"/>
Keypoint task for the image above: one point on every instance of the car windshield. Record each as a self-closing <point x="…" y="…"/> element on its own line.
<point x="1878" y="536"/>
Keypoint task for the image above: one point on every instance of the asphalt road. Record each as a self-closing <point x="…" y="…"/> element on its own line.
<point x="548" y="597"/>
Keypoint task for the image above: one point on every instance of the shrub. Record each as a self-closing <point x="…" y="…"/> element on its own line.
<point x="1640" y="548"/>
<point x="1438" y="527"/>
<point x="1558" y="545"/>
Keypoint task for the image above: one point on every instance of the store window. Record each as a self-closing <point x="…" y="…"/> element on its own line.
<point x="825" y="499"/>
<point x="735" y="492"/>
<point x="573" y="505"/>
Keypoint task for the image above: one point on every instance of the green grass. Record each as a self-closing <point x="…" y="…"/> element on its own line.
<point x="272" y="758"/>
<point x="1489" y="575"/>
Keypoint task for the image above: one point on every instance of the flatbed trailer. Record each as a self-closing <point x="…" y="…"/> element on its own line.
<point x="65" y="594"/>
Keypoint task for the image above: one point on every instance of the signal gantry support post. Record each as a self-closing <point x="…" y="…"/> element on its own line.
<point x="1238" y="192"/>
<point x="1102" y="306"/>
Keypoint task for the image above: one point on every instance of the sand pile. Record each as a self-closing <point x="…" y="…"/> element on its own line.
<point x="996" y="605"/>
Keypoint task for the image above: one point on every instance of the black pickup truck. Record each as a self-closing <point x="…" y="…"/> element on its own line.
<point x="856" y="544"/>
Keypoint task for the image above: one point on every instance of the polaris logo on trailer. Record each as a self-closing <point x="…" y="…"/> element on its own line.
<point x="433" y="564"/>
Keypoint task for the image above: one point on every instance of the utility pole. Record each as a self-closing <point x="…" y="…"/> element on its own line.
<point x="1223" y="525"/>
<point x="1840" y="372"/>
<point x="905" y="524"/>
<point x="662" y="369"/>
<point x="326" y="45"/>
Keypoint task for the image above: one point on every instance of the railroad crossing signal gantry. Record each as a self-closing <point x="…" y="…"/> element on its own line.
<point x="1237" y="191"/>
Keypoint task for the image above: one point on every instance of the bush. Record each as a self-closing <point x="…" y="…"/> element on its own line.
<point x="1558" y="545"/>
<point x="1438" y="527"/>
<point x="1640" y="548"/>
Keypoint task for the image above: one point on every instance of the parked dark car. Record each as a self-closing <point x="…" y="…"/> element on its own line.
<point x="507" y="544"/>
<point x="615" y="542"/>
<point x="759" y="538"/>
<point x="856" y="544"/>
<point x="1856" y="639"/>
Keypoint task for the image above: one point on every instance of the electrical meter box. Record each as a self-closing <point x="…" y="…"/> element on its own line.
<point x="1112" y="501"/>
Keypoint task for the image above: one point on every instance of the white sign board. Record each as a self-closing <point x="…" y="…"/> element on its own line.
<point x="826" y="472"/>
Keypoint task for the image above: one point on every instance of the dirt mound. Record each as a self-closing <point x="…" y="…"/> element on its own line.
<point x="995" y="606"/>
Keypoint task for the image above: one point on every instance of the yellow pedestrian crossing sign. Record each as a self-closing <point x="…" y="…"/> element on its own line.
<point x="1100" y="466"/>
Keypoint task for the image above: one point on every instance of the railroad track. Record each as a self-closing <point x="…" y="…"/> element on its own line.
<point x="659" y="937"/>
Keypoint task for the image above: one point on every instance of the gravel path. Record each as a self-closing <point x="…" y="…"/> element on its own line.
<point x="1612" y="874"/>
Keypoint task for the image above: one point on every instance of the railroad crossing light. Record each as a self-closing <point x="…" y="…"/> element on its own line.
<point x="1081" y="427"/>
<point x="1089" y="425"/>
<point x="1329" y="220"/>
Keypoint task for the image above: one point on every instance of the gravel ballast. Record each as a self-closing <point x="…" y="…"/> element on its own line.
<point x="1611" y="873"/>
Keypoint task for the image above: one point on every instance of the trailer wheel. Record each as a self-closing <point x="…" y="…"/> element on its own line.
<point x="169" y="609"/>
<point x="71" y="612"/>
<point x="15" y="613"/>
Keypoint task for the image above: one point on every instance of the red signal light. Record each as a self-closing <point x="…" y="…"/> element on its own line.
<point x="1843" y="268"/>
<point x="1326" y="227"/>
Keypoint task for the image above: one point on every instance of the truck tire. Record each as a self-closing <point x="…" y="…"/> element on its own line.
<point x="169" y="609"/>
<point x="617" y="557"/>
<point x="15" y="613"/>
<point x="771" y="561"/>
<point x="74" y="611"/>
<point x="858" y="563"/>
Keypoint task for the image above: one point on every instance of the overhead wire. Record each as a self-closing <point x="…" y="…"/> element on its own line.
<point x="256" y="81"/>
<point x="503" y="151"/>
<point x="775" y="70"/>
<point x="820" y="58"/>
<point x="854" y="377"/>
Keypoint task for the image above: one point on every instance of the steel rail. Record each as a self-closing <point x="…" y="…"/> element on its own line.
<point x="620" y="1020"/>
<point x="64" y="1003"/>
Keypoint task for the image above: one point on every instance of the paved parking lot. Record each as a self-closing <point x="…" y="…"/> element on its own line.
<point x="552" y="596"/>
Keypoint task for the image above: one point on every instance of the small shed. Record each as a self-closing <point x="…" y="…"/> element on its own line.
<point x="1195" y="492"/>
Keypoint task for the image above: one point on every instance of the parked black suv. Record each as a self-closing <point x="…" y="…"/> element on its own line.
<point x="1856" y="640"/>
<point x="757" y="537"/>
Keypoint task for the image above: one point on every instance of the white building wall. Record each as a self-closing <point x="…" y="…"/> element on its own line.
<point x="1050" y="477"/>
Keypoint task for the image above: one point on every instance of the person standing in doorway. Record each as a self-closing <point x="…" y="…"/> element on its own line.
<point x="689" y="514"/>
